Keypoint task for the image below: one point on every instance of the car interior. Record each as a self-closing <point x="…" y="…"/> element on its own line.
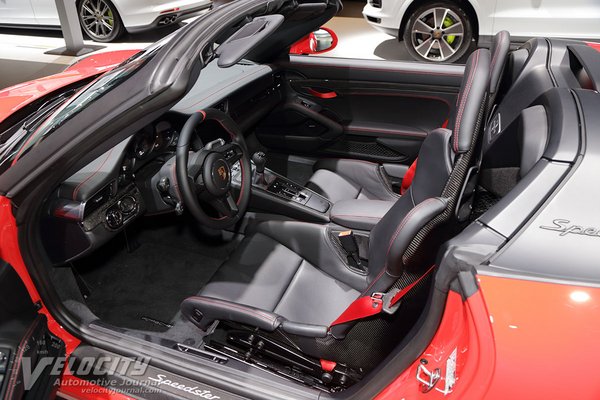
<point x="288" y="218"/>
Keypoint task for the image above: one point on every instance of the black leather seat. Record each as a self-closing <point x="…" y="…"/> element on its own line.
<point x="293" y="280"/>
<point x="346" y="179"/>
<point x="499" y="50"/>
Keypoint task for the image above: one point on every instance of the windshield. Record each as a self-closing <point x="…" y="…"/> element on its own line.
<point x="31" y="133"/>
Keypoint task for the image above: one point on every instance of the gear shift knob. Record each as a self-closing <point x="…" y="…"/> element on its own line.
<point x="259" y="159"/>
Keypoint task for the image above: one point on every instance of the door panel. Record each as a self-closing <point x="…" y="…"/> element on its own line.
<point x="372" y="110"/>
<point x="25" y="343"/>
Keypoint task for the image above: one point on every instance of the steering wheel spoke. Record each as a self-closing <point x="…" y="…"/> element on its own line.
<point x="199" y="188"/>
<point x="232" y="153"/>
<point x="226" y="206"/>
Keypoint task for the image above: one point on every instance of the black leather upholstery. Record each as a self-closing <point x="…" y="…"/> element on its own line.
<point x="276" y="276"/>
<point x="437" y="158"/>
<point x="472" y="92"/>
<point x="315" y="244"/>
<point x="340" y="180"/>
<point x="359" y="214"/>
<point x="344" y="179"/>
<point x="265" y="274"/>
<point x="499" y="51"/>
<point x="290" y="276"/>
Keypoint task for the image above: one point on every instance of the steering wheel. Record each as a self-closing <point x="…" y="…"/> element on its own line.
<point x="205" y="175"/>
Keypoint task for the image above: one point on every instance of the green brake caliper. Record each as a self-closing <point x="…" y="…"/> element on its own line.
<point x="448" y="23"/>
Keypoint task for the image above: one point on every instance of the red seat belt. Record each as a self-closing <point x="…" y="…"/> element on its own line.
<point x="408" y="177"/>
<point x="367" y="306"/>
<point x="410" y="173"/>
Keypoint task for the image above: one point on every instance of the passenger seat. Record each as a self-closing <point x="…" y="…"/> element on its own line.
<point x="348" y="179"/>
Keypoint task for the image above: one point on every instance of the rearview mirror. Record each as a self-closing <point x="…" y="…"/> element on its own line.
<point x="316" y="42"/>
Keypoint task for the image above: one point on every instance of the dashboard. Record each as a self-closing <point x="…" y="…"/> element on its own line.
<point x="136" y="177"/>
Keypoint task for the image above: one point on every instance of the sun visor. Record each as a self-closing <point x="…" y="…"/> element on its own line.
<point x="246" y="38"/>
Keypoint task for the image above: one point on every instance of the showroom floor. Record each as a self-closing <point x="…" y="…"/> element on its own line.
<point x="22" y="51"/>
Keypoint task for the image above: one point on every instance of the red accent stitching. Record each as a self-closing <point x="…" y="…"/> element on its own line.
<point x="351" y="215"/>
<point x="386" y="94"/>
<point x="464" y="101"/>
<point x="497" y="50"/>
<point x="382" y="130"/>
<point x="413" y="72"/>
<point x="402" y="224"/>
<point x="78" y="187"/>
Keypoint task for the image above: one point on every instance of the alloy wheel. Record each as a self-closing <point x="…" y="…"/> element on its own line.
<point x="98" y="18"/>
<point x="437" y="34"/>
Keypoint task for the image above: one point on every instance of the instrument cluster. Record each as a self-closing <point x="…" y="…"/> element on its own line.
<point x="153" y="139"/>
<point x="147" y="144"/>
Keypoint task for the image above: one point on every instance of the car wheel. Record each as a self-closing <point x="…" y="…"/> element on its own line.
<point x="438" y="32"/>
<point x="100" y="20"/>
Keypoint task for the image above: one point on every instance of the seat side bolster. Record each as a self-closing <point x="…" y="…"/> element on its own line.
<point x="300" y="329"/>
<point x="388" y="252"/>
<point x="203" y="311"/>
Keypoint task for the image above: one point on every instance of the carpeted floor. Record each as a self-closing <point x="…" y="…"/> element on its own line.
<point x="171" y="261"/>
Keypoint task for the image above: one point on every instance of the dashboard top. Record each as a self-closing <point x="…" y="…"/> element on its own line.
<point x="215" y="83"/>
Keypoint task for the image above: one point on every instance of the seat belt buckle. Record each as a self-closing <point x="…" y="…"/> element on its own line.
<point x="386" y="300"/>
<point x="348" y="242"/>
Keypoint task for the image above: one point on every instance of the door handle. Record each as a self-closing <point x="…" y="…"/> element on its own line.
<point x="321" y="94"/>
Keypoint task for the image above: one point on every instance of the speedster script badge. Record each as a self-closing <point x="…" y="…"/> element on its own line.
<point x="564" y="227"/>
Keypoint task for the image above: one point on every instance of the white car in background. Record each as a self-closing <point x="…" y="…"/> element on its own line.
<point x="442" y="31"/>
<point x="102" y="20"/>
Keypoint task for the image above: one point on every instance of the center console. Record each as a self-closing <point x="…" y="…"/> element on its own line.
<point x="290" y="191"/>
<point x="277" y="194"/>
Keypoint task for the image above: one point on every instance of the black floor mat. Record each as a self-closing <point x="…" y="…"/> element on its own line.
<point x="170" y="263"/>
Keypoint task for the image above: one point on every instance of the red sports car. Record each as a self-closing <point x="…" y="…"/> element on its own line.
<point x="214" y="218"/>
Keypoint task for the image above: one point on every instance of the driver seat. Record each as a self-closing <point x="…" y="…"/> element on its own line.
<point x="291" y="281"/>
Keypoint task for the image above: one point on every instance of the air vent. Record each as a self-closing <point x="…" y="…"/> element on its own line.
<point x="222" y="106"/>
<point x="376" y="3"/>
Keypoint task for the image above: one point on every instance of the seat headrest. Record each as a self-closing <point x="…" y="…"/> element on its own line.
<point x="470" y="100"/>
<point x="499" y="51"/>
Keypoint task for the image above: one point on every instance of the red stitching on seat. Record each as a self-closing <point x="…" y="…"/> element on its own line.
<point x="351" y="215"/>
<point x="497" y="50"/>
<point x="402" y="224"/>
<point x="464" y="101"/>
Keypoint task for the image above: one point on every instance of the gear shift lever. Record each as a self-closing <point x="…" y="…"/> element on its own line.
<point x="259" y="159"/>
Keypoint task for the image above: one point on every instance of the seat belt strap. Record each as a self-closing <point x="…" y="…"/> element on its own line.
<point x="408" y="177"/>
<point x="367" y="306"/>
<point x="401" y="293"/>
